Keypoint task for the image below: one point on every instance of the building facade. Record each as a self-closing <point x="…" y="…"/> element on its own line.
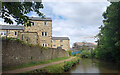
<point x="40" y="32"/>
<point x="41" y="29"/>
<point x="61" y="42"/>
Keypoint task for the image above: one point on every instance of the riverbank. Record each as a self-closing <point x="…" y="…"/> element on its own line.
<point x="58" y="68"/>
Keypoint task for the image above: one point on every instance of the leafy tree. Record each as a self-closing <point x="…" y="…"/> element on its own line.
<point x="108" y="47"/>
<point x="18" y="11"/>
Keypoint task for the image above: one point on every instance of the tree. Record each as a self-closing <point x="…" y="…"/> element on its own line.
<point x="18" y="11"/>
<point x="108" y="47"/>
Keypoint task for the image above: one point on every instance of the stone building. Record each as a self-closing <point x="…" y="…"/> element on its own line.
<point x="41" y="29"/>
<point x="10" y="30"/>
<point x="61" y="42"/>
<point x="40" y="32"/>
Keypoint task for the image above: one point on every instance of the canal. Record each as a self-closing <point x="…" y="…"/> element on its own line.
<point x="94" y="66"/>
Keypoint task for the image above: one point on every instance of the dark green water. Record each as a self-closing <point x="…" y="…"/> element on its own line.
<point x="95" y="66"/>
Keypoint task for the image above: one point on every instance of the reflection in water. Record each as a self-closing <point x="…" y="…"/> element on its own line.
<point x="95" y="66"/>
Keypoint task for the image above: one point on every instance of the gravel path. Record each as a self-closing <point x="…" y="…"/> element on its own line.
<point x="36" y="67"/>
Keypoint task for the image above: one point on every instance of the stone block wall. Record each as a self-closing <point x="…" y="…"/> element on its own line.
<point x="14" y="53"/>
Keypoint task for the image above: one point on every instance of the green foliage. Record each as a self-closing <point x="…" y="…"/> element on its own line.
<point x="78" y="55"/>
<point x="18" y="11"/>
<point x="85" y="54"/>
<point x="108" y="47"/>
<point x="70" y="53"/>
<point x="13" y="39"/>
<point x="58" y="68"/>
<point x="74" y="54"/>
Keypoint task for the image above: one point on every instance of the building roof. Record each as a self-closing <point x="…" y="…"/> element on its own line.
<point x="40" y="19"/>
<point x="11" y="27"/>
<point x="84" y="43"/>
<point x="60" y="38"/>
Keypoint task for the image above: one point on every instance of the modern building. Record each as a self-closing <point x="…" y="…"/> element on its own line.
<point x="61" y="42"/>
<point x="40" y="32"/>
<point x="80" y="45"/>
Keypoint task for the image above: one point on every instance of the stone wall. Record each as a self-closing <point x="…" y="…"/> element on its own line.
<point x="14" y="53"/>
<point x="29" y="37"/>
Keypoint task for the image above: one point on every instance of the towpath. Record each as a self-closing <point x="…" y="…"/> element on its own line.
<point x="22" y="70"/>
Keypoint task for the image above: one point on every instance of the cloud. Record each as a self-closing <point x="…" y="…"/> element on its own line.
<point x="76" y="20"/>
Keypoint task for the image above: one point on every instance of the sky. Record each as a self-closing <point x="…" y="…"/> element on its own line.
<point x="80" y="21"/>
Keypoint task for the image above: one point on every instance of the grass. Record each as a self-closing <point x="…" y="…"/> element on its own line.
<point x="57" y="68"/>
<point x="34" y="63"/>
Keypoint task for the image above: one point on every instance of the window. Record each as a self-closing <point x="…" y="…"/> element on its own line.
<point x="22" y="37"/>
<point x="32" y="23"/>
<point x="27" y="39"/>
<point x="54" y="45"/>
<point x="45" y="23"/>
<point x="42" y="33"/>
<point x="44" y="45"/>
<point x="61" y="40"/>
<point x="61" y="45"/>
<point x="45" y="33"/>
<point x="1" y="33"/>
<point x="4" y="33"/>
<point x="15" y="33"/>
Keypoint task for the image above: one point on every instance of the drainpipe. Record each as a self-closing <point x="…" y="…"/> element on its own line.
<point x="6" y="33"/>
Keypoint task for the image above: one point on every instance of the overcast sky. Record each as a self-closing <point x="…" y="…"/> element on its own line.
<point x="77" y="20"/>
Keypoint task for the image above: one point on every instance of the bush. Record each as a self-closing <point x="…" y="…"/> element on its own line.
<point x="85" y="54"/>
<point x="70" y="53"/>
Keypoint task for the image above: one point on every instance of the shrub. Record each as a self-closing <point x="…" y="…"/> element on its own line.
<point x="85" y="54"/>
<point x="70" y="53"/>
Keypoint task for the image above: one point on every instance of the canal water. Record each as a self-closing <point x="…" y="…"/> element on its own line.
<point x="95" y="66"/>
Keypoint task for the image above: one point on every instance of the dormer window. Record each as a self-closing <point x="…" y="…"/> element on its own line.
<point x="45" y="23"/>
